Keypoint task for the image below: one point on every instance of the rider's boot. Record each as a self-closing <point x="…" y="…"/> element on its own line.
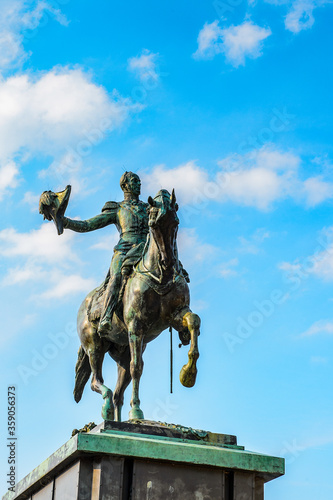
<point x="112" y="293"/>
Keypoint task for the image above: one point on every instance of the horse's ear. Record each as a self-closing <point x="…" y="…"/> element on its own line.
<point x="151" y="201"/>
<point x="173" y="198"/>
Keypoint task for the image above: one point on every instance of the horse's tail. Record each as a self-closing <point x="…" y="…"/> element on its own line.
<point x="82" y="373"/>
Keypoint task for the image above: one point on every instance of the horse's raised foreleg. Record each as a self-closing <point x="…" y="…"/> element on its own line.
<point x="96" y="357"/>
<point x="136" y="367"/>
<point x="188" y="373"/>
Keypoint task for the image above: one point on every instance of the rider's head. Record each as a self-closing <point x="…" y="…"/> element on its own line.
<point x="130" y="183"/>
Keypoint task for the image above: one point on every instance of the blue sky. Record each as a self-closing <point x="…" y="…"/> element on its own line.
<point x="230" y="104"/>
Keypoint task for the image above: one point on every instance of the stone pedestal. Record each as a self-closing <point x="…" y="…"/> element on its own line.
<point x="149" y="461"/>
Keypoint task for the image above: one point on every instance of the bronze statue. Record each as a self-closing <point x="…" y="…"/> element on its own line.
<point x="145" y="292"/>
<point x="130" y="217"/>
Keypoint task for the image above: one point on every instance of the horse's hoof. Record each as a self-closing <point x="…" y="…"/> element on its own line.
<point x="108" y="410"/>
<point x="188" y="376"/>
<point x="136" y="414"/>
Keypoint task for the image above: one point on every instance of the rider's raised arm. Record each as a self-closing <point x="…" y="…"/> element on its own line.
<point x="108" y="216"/>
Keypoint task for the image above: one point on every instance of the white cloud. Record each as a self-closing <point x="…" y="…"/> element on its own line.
<point x="8" y="177"/>
<point x="317" y="190"/>
<point x="236" y="42"/>
<point x="45" y="259"/>
<point x="191" y="249"/>
<point x="300" y="16"/>
<point x="227" y="269"/>
<point x="199" y="305"/>
<point x="209" y="41"/>
<point x="69" y="170"/>
<point x="57" y="283"/>
<point x="61" y="113"/>
<point x="257" y="187"/>
<point x="32" y="200"/>
<point x="107" y="242"/>
<point x="319" y="327"/>
<point x="162" y="177"/>
<point x="20" y="18"/>
<point x="258" y="179"/>
<point x="68" y="285"/>
<point x="32" y="18"/>
<point x="252" y="245"/>
<point x="42" y="244"/>
<point x="243" y="41"/>
<point x="144" y="66"/>
<point x="322" y="264"/>
<point x="54" y="110"/>
<point x="274" y="159"/>
<point x="21" y="274"/>
<point x="319" y="264"/>
<point x="300" y="13"/>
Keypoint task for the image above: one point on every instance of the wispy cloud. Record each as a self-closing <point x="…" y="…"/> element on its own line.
<point x="8" y="177"/>
<point x="209" y="41"/>
<point x="319" y="264"/>
<point x="319" y="327"/>
<point x="316" y="190"/>
<point x="252" y="244"/>
<point x="44" y="259"/>
<point x="191" y="248"/>
<point x="66" y="285"/>
<point x="16" y="18"/>
<point x="318" y="360"/>
<point x="258" y="179"/>
<point x="228" y="269"/>
<point x="235" y="42"/>
<point x="107" y="242"/>
<point x="32" y="200"/>
<point x="300" y="16"/>
<point x="144" y="66"/>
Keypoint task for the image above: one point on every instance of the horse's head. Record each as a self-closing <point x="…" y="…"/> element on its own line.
<point x="163" y="222"/>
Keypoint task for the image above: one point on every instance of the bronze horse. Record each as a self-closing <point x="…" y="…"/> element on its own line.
<point x="155" y="297"/>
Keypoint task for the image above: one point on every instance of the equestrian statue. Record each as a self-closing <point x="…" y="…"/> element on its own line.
<point x="145" y="292"/>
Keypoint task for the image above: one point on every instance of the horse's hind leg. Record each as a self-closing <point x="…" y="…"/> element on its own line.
<point x="96" y="354"/>
<point x="123" y="360"/>
<point x="123" y="381"/>
<point x="190" y="321"/>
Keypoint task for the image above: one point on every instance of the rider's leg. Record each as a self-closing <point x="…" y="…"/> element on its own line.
<point x="111" y="292"/>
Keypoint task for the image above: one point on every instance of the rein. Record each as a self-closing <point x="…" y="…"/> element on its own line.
<point x="146" y="275"/>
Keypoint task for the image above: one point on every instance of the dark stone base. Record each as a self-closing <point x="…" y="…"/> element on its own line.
<point x="143" y="460"/>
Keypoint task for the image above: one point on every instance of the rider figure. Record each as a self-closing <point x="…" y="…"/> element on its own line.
<point x="131" y="219"/>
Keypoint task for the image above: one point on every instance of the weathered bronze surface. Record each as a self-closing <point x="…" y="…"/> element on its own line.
<point x="145" y="292"/>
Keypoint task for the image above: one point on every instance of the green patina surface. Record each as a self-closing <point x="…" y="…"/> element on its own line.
<point x="135" y="445"/>
<point x="176" y="450"/>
